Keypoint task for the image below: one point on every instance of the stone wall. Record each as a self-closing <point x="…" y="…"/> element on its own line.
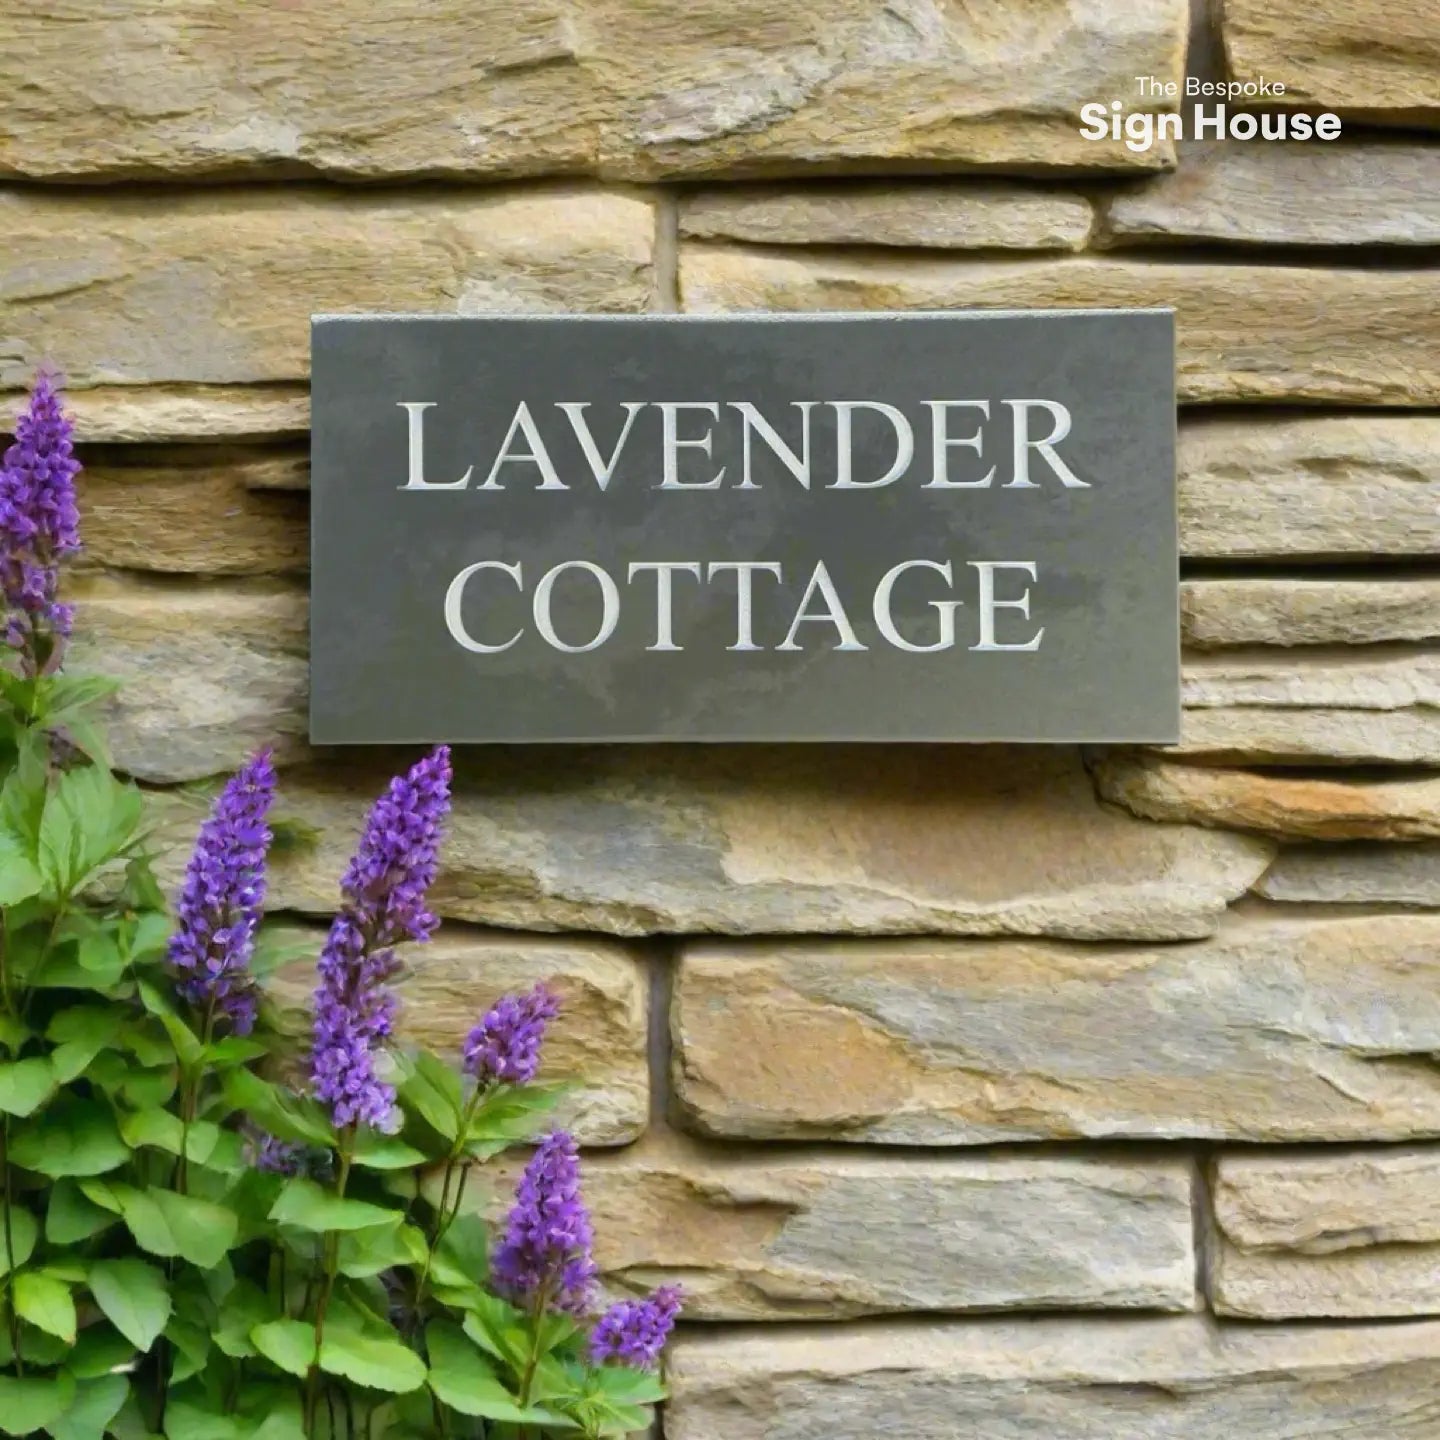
<point x="997" y="1093"/>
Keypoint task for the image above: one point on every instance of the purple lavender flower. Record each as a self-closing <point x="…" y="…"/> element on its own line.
<point x="504" y="1048"/>
<point x="383" y="904"/>
<point x="634" y="1332"/>
<point x="222" y="897"/>
<point x="39" y="525"/>
<point x="544" y="1260"/>
<point x="275" y="1156"/>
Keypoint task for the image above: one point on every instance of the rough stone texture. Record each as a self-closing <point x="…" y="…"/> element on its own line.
<point x="1277" y="1028"/>
<point x="1333" y="487"/>
<point x="675" y="87"/>
<point x="1358" y="874"/>
<point x="1223" y="612"/>
<point x="950" y="216"/>
<point x="1342" y="1234"/>
<point x="195" y="510"/>
<point x="151" y="413"/>
<point x="210" y="674"/>
<point x="226" y="279"/>
<point x="1388" y="678"/>
<point x="599" y="1043"/>
<point x="1261" y="735"/>
<point x="1121" y="1379"/>
<point x="1373" y="59"/>
<point x="1302" y="193"/>
<point x="784" y="1235"/>
<point x="630" y="840"/>
<point x="1245" y="332"/>
<point x="1284" y="806"/>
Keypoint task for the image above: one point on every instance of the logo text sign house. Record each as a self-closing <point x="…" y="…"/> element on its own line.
<point x="889" y="527"/>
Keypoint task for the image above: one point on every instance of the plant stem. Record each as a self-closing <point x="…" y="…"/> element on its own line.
<point x="189" y="1103"/>
<point x="11" y="1315"/>
<point x="327" y="1281"/>
<point x="447" y="1213"/>
<point x="532" y="1363"/>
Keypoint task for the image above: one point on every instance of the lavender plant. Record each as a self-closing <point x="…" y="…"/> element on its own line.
<point x="204" y="1236"/>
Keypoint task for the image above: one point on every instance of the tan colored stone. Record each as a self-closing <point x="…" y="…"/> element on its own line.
<point x="1334" y="487"/>
<point x="1276" y="1028"/>
<point x="1379" y="61"/>
<point x="210" y="674"/>
<point x="634" y="840"/>
<point x="1301" y="193"/>
<point x="1358" y="874"/>
<point x="1219" y="613"/>
<point x="195" y="510"/>
<point x="127" y="88"/>
<point x="217" y="287"/>
<point x="599" y="1043"/>
<point x="1264" y="735"/>
<point x="780" y="1235"/>
<point x="1178" y="1378"/>
<point x="119" y="414"/>
<point x="959" y="215"/>
<point x="1392" y="677"/>
<point x="1245" y="332"/>
<point x="1342" y="1234"/>
<point x="1287" y="807"/>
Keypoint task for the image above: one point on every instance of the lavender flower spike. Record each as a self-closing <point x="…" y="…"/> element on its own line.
<point x="39" y="525"/>
<point x="634" y="1332"/>
<point x="544" y="1260"/>
<point x="382" y="905"/>
<point x="222" y="897"/>
<point x="504" y="1048"/>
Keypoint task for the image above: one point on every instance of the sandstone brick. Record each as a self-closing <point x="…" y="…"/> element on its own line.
<point x="122" y="414"/>
<point x="1391" y="677"/>
<point x="1357" y="874"/>
<point x="1265" y="735"/>
<point x="1277" y="1028"/>
<point x="195" y="510"/>
<point x="1340" y="1234"/>
<point x="226" y="280"/>
<point x="1175" y="1378"/>
<point x="762" y="1235"/>
<point x="633" y="840"/>
<point x="1301" y="807"/>
<point x="1245" y="332"/>
<point x="1377" y="61"/>
<point x="1332" y="487"/>
<point x="1230" y="611"/>
<point x="1301" y="193"/>
<point x="599" y="1043"/>
<point x="183" y="88"/>
<point x="960" y="215"/>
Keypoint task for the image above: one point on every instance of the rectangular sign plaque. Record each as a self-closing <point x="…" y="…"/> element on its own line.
<point x="836" y="527"/>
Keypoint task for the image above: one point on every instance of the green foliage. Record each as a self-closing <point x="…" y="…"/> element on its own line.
<point x="155" y="1283"/>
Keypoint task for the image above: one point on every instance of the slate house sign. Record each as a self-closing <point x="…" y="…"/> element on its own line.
<point x="835" y="527"/>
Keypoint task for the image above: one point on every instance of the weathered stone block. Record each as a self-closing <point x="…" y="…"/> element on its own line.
<point x="958" y="215"/>
<point x="1288" y="807"/>
<point x="1340" y="1234"/>
<point x="1245" y="332"/>
<point x="131" y="88"/>
<point x="1119" y="1379"/>
<point x="226" y="280"/>
<point x="1301" y="193"/>
<point x="788" y="1235"/>
<point x="1225" y="612"/>
<point x="1380" y="61"/>
<point x="599" y="1042"/>
<point x="1357" y="874"/>
<point x="1265" y="735"/>
<point x="1277" y="1028"/>
<point x="629" y="840"/>
<point x="1334" y="487"/>
<point x="1389" y="678"/>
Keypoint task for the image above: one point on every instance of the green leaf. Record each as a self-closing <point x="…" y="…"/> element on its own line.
<point x="625" y="1386"/>
<point x="307" y="1206"/>
<point x="190" y="1348"/>
<point x="432" y="1091"/>
<point x="461" y="1378"/>
<point x="22" y="797"/>
<point x="500" y="1330"/>
<point x="13" y="1033"/>
<point x="34" y="1402"/>
<point x="19" y="875"/>
<point x="134" y="1298"/>
<point x="74" y="1138"/>
<point x="369" y="1252"/>
<point x="45" y="1303"/>
<point x="168" y="1224"/>
<point x="367" y="1360"/>
<point x="375" y="1151"/>
<point x="186" y="1042"/>
<point x="81" y="1033"/>
<point x="25" y="1085"/>
<point x="284" y="1116"/>
<point x="287" y="1344"/>
<point x="99" y="1350"/>
<point x="96" y="1404"/>
<point x="62" y="697"/>
<point x="164" y="1131"/>
<point x="145" y="1088"/>
<point x="190" y="1420"/>
<point x="513" y="1112"/>
<point x="245" y="1307"/>
<point x="89" y="818"/>
<point x="24" y="1231"/>
<point x="149" y="933"/>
